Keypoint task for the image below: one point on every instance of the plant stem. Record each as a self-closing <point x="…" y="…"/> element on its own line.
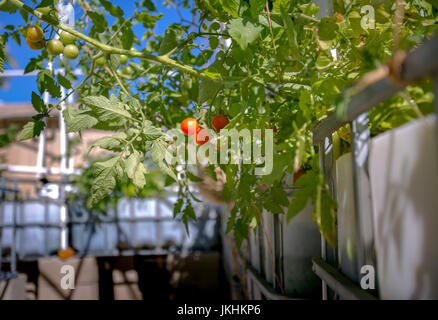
<point x="119" y="81"/>
<point x="273" y="42"/>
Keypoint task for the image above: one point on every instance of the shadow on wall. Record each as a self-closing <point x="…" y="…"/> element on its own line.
<point x="405" y="199"/>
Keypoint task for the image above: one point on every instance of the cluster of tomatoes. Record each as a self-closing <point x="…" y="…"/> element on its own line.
<point x="190" y="126"/>
<point x="35" y="40"/>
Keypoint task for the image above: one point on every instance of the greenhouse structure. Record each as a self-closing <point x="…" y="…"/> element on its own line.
<point x="218" y="150"/>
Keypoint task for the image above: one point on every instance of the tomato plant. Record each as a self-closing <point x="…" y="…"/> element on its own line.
<point x="283" y="68"/>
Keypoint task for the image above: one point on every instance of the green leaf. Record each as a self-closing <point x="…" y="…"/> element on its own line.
<point x="256" y="7"/>
<point x="135" y="169"/>
<point x="207" y="90"/>
<point x="188" y="211"/>
<point x="127" y="37"/>
<point x="282" y="5"/>
<point x="213" y="41"/>
<point x="158" y="155"/>
<point x="45" y="82"/>
<point x="177" y="207"/>
<point x="38" y="103"/>
<point x="2" y="56"/>
<point x="63" y="81"/>
<point x="272" y="206"/>
<point x="105" y="174"/>
<point x="280" y="164"/>
<point x="6" y="6"/>
<point x="298" y="203"/>
<point x="168" y="43"/>
<point x="244" y="31"/>
<point x="106" y="109"/>
<point x="113" y="143"/>
<point x="291" y="34"/>
<point x="279" y="196"/>
<point x="99" y="21"/>
<point x="192" y="177"/>
<point x="327" y="29"/>
<point x="434" y="3"/>
<point x="328" y="218"/>
<point x="78" y="121"/>
<point x="231" y="6"/>
<point x="148" y="20"/>
<point x="151" y="133"/>
<point x="149" y="5"/>
<point x="115" y="11"/>
<point x="45" y="3"/>
<point x="34" y="64"/>
<point x="31" y="129"/>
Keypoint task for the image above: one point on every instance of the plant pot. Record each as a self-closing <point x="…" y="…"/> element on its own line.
<point x="403" y="173"/>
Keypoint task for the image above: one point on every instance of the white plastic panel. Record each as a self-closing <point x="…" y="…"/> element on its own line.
<point x="404" y="180"/>
<point x="347" y="238"/>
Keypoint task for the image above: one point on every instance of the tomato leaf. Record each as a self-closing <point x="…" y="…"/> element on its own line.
<point x="244" y="31"/>
<point x="31" y="129"/>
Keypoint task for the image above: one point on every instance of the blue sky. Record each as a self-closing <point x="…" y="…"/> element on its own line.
<point x="20" y="89"/>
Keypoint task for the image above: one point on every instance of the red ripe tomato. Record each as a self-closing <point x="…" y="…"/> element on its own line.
<point x="189" y="126"/>
<point x="202" y="136"/>
<point x="219" y="122"/>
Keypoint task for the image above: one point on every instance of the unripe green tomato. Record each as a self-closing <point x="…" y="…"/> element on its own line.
<point x="55" y="47"/>
<point x="123" y="59"/>
<point x="101" y="62"/>
<point x="71" y="51"/>
<point x="67" y="38"/>
<point x="127" y="70"/>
